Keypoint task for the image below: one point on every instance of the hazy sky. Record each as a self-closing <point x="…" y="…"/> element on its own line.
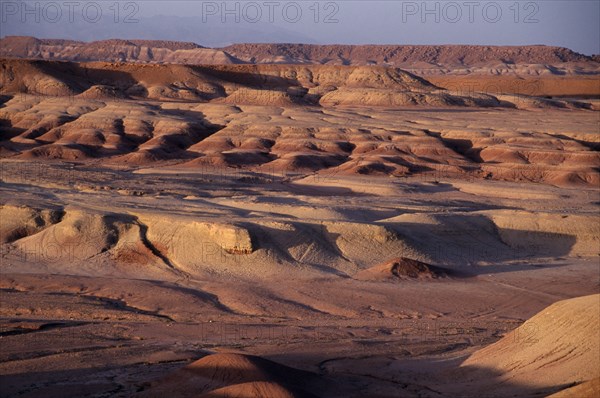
<point x="572" y="24"/>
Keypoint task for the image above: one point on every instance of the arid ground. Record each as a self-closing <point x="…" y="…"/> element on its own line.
<point x="290" y="230"/>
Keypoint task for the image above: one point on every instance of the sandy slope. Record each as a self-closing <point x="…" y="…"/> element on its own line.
<point x="588" y="389"/>
<point x="557" y="347"/>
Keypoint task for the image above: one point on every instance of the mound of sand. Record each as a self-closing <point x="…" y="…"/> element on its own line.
<point x="401" y="268"/>
<point x="255" y="389"/>
<point x="235" y="375"/>
<point x="557" y="347"/>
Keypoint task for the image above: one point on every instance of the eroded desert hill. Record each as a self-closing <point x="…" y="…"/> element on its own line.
<point x="247" y="84"/>
<point x="528" y="70"/>
<point x="266" y="85"/>
<point x="542" y="71"/>
<point x="297" y="118"/>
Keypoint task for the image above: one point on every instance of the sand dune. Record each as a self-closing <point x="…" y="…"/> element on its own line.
<point x="235" y="375"/>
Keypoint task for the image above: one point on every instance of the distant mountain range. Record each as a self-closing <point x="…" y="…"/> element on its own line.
<point x="401" y="55"/>
<point x="405" y="56"/>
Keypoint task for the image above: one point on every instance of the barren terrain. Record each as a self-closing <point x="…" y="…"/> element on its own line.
<point x="543" y="71"/>
<point x="293" y="230"/>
